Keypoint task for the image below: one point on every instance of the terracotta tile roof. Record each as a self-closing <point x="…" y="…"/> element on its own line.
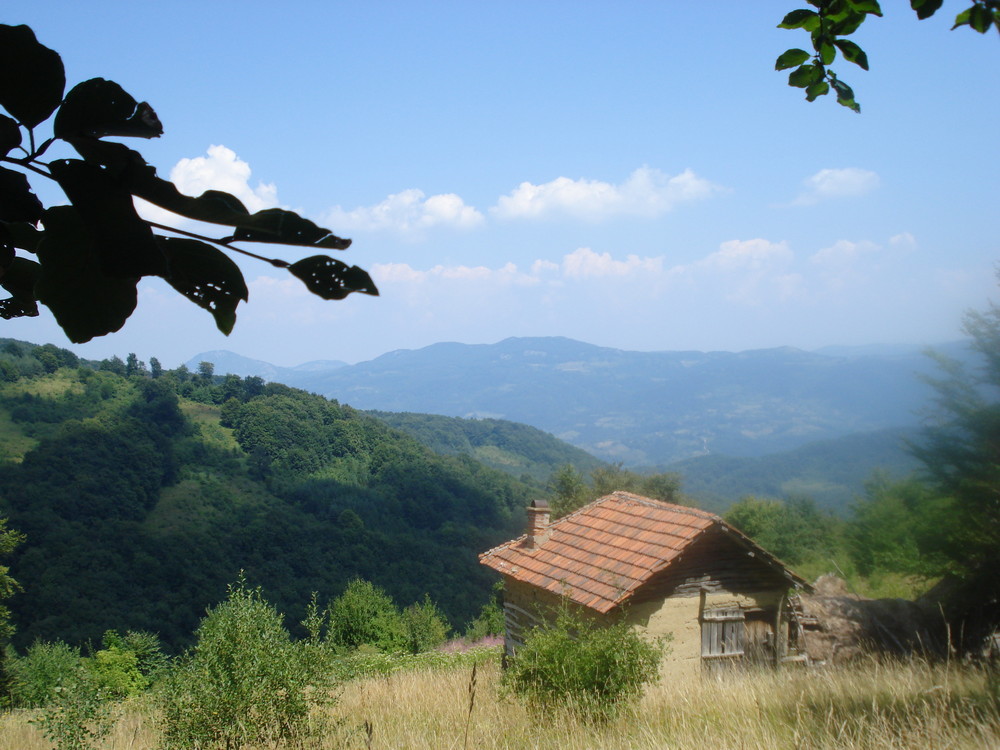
<point x="600" y="554"/>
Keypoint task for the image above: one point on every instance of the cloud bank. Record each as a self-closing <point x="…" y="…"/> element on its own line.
<point x="407" y="211"/>
<point x="828" y="184"/>
<point x="647" y="192"/>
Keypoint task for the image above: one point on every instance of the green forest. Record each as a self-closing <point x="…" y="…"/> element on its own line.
<point x="142" y="492"/>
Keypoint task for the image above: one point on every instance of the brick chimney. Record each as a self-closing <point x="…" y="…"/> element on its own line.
<point x="538" y="524"/>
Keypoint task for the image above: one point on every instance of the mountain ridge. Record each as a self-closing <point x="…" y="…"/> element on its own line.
<point x="647" y="408"/>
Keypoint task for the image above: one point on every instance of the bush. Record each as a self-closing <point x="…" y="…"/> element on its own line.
<point x="426" y="626"/>
<point x="245" y="682"/>
<point x="577" y="664"/>
<point x="364" y="615"/>
<point x="37" y="677"/>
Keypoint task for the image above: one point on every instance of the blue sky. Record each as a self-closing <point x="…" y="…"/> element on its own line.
<point x="634" y="175"/>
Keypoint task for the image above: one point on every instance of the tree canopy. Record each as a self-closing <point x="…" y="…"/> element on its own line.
<point x="90" y="255"/>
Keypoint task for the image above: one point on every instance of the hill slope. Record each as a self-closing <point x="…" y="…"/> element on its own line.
<point x="142" y="498"/>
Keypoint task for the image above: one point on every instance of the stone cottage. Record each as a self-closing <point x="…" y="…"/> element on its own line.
<point x="666" y="569"/>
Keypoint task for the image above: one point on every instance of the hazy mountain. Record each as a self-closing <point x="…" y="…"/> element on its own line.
<point x="831" y="472"/>
<point x="229" y="363"/>
<point x="642" y="408"/>
<point x="647" y="408"/>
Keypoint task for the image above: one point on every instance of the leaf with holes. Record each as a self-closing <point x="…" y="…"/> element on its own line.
<point x="19" y="279"/>
<point x="332" y="279"/>
<point x="85" y="301"/>
<point x="272" y="225"/>
<point x="277" y="225"/>
<point x="125" y="242"/>
<point x="98" y="108"/>
<point x="32" y="77"/>
<point x="206" y="276"/>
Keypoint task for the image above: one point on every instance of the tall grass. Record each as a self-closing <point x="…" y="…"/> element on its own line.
<point x="872" y="706"/>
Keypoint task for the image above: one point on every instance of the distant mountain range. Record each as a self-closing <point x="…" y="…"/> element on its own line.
<point x="641" y="408"/>
<point x="228" y="363"/>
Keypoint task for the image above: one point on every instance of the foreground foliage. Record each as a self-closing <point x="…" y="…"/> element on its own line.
<point x="245" y="682"/>
<point x="835" y="20"/>
<point x="574" y="663"/>
<point x="92" y="253"/>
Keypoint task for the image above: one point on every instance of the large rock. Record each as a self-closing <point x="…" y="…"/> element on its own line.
<point x="847" y="626"/>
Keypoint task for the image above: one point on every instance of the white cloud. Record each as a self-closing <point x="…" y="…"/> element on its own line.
<point x="756" y="255"/>
<point x="584" y="262"/>
<point x="404" y="273"/>
<point x="647" y="192"/>
<point x="904" y="242"/>
<point x="223" y="170"/>
<point x="408" y="211"/>
<point x="850" y="182"/>
<point x="844" y="252"/>
<point x="747" y="272"/>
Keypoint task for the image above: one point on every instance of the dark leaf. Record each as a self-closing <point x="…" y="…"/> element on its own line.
<point x="790" y="59"/>
<point x="800" y="19"/>
<point x="32" y="78"/>
<point x="926" y="8"/>
<point x="85" y="301"/>
<point x="827" y="53"/>
<point x="980" y="18"/>
<point x="962" y="18"/>
<point x="17" y="202"/>
<point x="206" y="276"/>
<point x="866" y="6"/>
<point x="853" y="53"/>
<point x="125" y="242"/>
<point x="19" y="279"/>
<point x="332" y="279"/>
<point x="287" y="228"/>
<point x="817" y="90"/>
<point x="274" y="225"/>
<point x="14" y="307"/>
<point x="845" y="95"/>
<point x="98" y="108"/>
<point x="805" y="75"/>
<point x="10" y="135"/>
<point x="20" y="234"/>
<point x="846" y="26"/>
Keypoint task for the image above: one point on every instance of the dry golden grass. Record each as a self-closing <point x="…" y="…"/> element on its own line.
<point x="874" y="707"/>
<point x="902" y="706"/>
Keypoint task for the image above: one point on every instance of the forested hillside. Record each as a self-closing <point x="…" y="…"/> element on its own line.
<point x="514" y="448"/>
<point x="143" y="492"/>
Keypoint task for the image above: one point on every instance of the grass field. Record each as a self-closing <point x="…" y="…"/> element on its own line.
<point x="876" y="706"/>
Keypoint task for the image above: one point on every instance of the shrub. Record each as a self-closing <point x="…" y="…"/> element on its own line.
<point x="244" y="682"/>
<point x="489" y="621"/>
<point x="426" y="627"/>
<point x="116" y="674"/>
<point x="364" y="615"/>
<point x="36" y="677"/>
<point x="578" y="664"/>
